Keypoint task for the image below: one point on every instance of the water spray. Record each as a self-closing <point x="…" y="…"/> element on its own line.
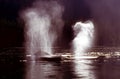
<point x="43" y="27"/>
<point x="84" y="36"/>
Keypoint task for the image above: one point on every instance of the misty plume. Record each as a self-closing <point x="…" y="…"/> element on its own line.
<point x="84" y="37"/>
<point x="43" y="27"/>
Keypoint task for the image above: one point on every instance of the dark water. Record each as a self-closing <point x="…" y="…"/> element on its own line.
<point x="12" y="67"/>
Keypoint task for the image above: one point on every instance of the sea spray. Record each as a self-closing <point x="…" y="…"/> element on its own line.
<point x="84" y="36"/>
<point x="43" y="26"/>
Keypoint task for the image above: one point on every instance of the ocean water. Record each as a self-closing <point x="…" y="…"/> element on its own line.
<point x="14" y="66"/>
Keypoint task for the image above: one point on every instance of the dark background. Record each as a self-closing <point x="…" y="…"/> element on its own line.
<point x="104" y="13"/>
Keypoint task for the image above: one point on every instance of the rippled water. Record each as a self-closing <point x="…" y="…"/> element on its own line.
<point x="83" y="69"/>
<point x="69" y="69"/>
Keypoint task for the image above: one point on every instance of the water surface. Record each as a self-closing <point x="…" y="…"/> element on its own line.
<point x="13" y="66"/>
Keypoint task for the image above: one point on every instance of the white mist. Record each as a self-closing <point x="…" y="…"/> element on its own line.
<point x="84" y="36"/>
<point x="43" y="27"/>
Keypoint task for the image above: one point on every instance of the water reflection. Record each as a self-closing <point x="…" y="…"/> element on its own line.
<point x="60" y="70"/>
<point x="13" y="66"/>
<point x="83" y="69"/>
<point x="44" y="70"/>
